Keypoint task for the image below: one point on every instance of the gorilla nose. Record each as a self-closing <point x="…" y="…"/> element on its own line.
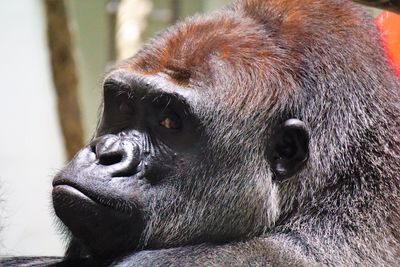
<point x="119" y="155"/>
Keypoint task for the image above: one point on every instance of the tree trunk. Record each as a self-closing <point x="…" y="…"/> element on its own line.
<point x="64" y="75"/>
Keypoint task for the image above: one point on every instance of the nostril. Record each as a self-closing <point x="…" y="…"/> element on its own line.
<point x="110" y="159"/>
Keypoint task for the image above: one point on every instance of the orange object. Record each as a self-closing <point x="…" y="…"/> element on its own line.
<point x="389" y="24"/>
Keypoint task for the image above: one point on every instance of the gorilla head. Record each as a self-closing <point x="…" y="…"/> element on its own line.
<point x="264" y="118"/>
<point x="167" y="156"/>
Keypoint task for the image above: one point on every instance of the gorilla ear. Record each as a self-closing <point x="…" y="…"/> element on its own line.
<point x="288" y="151"/>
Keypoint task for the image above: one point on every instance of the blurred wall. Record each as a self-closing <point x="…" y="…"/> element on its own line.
<point x="31" y="148"/>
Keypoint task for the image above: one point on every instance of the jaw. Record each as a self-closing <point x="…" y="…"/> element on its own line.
<point x="96" y="226"/>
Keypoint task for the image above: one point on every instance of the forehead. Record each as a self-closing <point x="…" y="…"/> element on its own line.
<point x="188" y="51"/>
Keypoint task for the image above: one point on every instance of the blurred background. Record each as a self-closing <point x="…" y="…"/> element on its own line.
<point x="53" y="56"/>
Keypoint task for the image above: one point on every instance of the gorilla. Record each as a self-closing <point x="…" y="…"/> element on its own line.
<point x="263" y="134"/>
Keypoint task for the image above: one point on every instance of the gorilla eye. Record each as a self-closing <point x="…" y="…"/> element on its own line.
<point x="171" y="122"/>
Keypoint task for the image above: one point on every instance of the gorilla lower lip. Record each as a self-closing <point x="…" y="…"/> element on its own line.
<point x="71" y="190"/>
<point x="67" y="189"/>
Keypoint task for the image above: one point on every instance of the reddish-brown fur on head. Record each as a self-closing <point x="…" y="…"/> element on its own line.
<point x="253" y="31"/>
<point x="263" y="43"/>
<point x="186" y="50"/>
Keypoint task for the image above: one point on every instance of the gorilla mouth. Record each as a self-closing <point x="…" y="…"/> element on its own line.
<point x="68" y="189"/>
<point x="96" y="221"/>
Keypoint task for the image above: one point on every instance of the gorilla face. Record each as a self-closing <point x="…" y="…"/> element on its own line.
<point x="146" y="141"/>
<point x="186" y="149"/>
